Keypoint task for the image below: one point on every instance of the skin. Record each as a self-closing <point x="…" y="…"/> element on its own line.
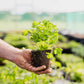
<point x="22" y="58"/>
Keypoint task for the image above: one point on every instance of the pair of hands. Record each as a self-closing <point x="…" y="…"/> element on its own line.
<point x="23" y="60"/>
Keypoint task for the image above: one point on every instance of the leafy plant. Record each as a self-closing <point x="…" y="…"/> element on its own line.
<point x="62" y="38"/>
<point x="12" y="74"/>
<point x="17" y="40"/>
<point x="44" y="34"/>
<point x="79" y="50"/>
<point x="75" y="76"/>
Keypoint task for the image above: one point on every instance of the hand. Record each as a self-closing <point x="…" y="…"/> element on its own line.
<point x="20" y="57"/>
<point x="23" y="60"/>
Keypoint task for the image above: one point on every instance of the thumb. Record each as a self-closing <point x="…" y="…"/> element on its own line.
<point x="31" y="68"/>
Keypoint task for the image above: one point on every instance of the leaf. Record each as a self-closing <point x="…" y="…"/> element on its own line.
<point x="58" y="64"/>
<point x="49" y="55"/>
<point x="34" y="24"/>
<point x="57" y="51"/>
<point x="25" y="32"/>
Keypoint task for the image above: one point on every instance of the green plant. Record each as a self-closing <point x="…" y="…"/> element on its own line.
<point x="79" y="50"/>
<point x="1" y="60"/>
<point x="17" y="40"/>
<point x="73" y="44"/>
<point x="75" y="76"/>
<point x="62" y="38"/>
<point x="12" y="74"/>
<point x="44" y="34"/>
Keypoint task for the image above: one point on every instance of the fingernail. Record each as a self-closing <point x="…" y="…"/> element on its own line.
<point x="50" y="70"/>
<point x="44" y="66"/>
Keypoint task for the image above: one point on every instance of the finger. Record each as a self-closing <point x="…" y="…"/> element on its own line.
<point x="34" y="69"/>
<point x="50" y="63"/>
<point x="27" y="49"/>
<point x="44" y="72"/>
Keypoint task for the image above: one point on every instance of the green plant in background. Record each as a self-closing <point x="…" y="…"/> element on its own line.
<point x="75" y="76"/>
<point x="73" y="44"/>
<point x="44" y="34"/>
<point x="1" y="61"/>
<point x="79" y="50"/>
<point x="17" y="40"/>
<point x="75" y="67"/>
<point x="66" y="44"/>
<point x="62" y="38"/>
<point x="12" y="74"/>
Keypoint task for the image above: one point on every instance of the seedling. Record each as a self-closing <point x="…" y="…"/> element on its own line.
<point x="44" y="34"/>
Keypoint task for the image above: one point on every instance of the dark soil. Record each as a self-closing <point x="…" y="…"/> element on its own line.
<point x="67" y="50"/>
<point x="2" y="64"/>
<point x="76" y="37"/>
<point x="39" y="58"/>
<point x="3" y="36"/>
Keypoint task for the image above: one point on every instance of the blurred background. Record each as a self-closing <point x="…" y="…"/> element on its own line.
<point x="18" y="14"/>
<point x="68" y="15"/>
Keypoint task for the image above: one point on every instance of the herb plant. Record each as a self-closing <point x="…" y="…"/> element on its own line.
<point x="44" y="34"/>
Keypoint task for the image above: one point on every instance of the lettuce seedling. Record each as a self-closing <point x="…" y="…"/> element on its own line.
<point x="44" y="34"/>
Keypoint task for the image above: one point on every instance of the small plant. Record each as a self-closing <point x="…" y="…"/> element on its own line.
<point x="17" y="40"/>
<point x="44" y="34"/>
<point x="75" y="76"/>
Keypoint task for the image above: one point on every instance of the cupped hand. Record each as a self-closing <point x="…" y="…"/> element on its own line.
<point x="24" y="61"/>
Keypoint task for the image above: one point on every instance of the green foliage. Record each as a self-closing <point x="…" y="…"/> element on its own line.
<point x="25" y="32"/>
<point x="58" y="64"/>
<point x="74" y="64"/>
<point x="66" y="44"/>
<point x="17" y="40"/>
<point x="75" y="47"/>
<point x="42" y="45"/>
<point x="49" y="55"/>
<point x="79" y="50"/>
<point x="12" y="74"/>
<point x="75" y="76"/>
<point x="57" y="51"/>
<point x="44" y="34"/>
<point x="1" y="60"/>
<point x="73" y="44"/>
<point x="62" y="38"/>
<point x="72" y="59"/>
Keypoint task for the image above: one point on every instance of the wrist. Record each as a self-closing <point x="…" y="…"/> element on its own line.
<point x="8" y="52"/>
<point x="13" y="54"/>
